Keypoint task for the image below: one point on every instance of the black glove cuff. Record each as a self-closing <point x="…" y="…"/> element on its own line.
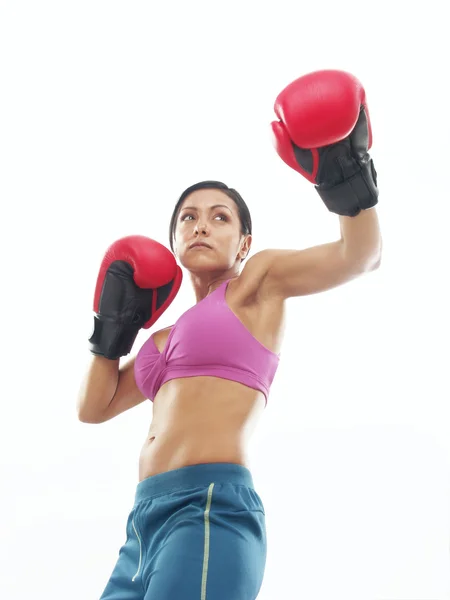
<point x="356" y="193"/>
<point x="110" y="339"/>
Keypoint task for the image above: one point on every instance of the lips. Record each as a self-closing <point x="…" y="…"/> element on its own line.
<point x="199" y="244"/>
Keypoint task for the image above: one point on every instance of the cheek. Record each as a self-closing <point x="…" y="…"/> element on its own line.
<point x="231" y="245"/>
<point x="180" y="231"/>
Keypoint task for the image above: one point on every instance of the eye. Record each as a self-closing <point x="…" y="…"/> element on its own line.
<point x="186" y="215"/>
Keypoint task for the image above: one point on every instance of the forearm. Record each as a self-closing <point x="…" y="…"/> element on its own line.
<point x="98" y="388"/>
<point x="361" y="238"/>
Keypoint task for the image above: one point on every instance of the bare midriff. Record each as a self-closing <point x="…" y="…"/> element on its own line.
<point x="200" y="420"/>
<point x="205" y="419"/>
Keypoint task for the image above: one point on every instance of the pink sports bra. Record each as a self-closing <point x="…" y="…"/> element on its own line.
<point x="208" y="339"/>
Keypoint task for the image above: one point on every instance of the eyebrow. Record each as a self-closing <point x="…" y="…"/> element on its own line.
<point x="211" y="208"/>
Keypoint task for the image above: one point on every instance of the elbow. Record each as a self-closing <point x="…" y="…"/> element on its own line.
<point x="371" y="263"/>
<point x="86" y="416"/>
<point x="364" y="265"/>
<point x="372" y="266"/>
<point x="376" y="264"/>
<point x="86" y="419"/>
<point x="83" y="417"/>
<point x="363" y="261"/>
<point x="91" y="419"/>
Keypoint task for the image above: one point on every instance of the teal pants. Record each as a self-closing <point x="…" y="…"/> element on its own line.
<point x="196" y="533"/>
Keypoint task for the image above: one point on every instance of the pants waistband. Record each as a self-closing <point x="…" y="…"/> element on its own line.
<point x="193" y="476"/>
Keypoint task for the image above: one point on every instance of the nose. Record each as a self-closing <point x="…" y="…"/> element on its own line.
<point x="200" y="227"/>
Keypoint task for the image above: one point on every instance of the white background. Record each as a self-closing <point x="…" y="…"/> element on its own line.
<point x="108" y="111"/>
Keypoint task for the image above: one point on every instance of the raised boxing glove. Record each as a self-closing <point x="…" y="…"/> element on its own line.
<point x="324" y="133"/>
<point x="138" y="280"/>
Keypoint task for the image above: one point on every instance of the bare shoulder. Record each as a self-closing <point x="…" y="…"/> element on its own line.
<point x="249" y="286"/>
<point x="282" y="274"/>
<point x="260" y="311"/>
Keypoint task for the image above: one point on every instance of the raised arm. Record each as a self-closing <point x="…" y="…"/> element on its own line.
<point x="289" y="273"/>
<point x="324" y="133"/>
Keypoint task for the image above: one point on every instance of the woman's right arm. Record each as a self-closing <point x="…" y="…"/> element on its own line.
<point x="136" y="273"/>
<point x="107" y="390"/>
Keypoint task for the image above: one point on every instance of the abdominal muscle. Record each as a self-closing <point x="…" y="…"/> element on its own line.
<point x="207" y="419"/>
<point x="200" y="420"/>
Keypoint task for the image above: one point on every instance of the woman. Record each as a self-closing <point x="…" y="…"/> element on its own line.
<point x="197" y="528"/>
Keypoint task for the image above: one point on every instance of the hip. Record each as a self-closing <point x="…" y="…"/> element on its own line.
<point x="201" y="527"/>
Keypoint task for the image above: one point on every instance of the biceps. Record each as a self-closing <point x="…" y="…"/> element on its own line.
<point x="310" y="271"/>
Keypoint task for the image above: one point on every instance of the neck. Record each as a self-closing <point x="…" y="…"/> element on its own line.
<point x="204" y="286"/>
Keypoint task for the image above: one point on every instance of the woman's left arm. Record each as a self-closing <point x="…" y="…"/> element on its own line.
<point x="289" y="273"/>
<point x="323" y="132"/>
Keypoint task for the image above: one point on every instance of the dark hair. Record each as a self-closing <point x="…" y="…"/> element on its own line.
<point x="244" y="213"/>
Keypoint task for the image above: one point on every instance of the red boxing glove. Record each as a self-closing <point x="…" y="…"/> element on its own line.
<point x="138" y="280"/>
<point x="324" y="133"/>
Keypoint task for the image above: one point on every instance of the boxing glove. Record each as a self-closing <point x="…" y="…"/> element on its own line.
<point x="138" y="280"/>
<point x="324" y="133"/>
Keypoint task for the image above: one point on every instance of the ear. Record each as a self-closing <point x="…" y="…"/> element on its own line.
<point x="245" y="247"/>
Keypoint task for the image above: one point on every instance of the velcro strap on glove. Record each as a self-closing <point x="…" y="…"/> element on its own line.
<point x="111" y="339"/>
<point x="358" y="192"/>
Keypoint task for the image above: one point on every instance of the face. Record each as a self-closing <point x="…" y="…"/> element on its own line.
<point x="209" y="216"/>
